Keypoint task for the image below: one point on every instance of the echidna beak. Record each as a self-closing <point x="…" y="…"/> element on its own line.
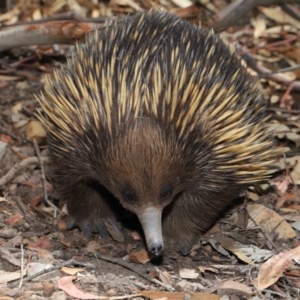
<point x="150" y="219"/>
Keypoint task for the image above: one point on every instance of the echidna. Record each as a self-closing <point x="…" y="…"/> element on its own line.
<point x="162" y="115"/>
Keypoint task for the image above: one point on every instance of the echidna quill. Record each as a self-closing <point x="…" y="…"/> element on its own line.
<point x="162" y="115"/>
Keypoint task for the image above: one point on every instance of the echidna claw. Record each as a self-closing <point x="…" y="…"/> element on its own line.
<point x="185" y="250"/>
<point x="102" y="230"/>
<point x="86" y="229"/>
<point x="71" y="224"/>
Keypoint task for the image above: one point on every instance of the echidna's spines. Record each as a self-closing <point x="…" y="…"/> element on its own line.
<point x="149" y="70"/>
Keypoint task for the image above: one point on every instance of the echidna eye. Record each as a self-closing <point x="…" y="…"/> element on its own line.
<point x="165" y="193"/>
<point x="129" y="196"/>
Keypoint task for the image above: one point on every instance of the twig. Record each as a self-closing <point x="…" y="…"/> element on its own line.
<point x="20" y="204"/>
<point x="66" y="17"/>
<point x="288" y="69"/>
<point x="291" y="12"/>
<point x="264" y="72"/>
<point x="46" y="33"/>
<point x="290" y="111"/>
<point x="45" y="271"/>
<point x="254" y="283"/>
<point x="284" y="98"/>
<point x="20" y="166"/>
<point x="237" y="9"/>
<point x="22" y="267"/>
<point x="46" y="199"/>
<point x="131" y="268"/>
<point x="289" y="174"/>
<point x="15" y="137"/>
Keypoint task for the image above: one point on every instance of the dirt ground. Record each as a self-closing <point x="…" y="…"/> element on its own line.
<point x="252" y="252"/>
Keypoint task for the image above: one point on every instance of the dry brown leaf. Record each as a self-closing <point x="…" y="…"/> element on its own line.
<point x="231" y="286"/>
<point x="141" y="256"/>
<point x="114" y="231"/>
<point x="66" y="284"/>
<point x="8" y="78"/>
<point x="247" y="253"/>
<point x="35" y="131"/>
<point x="252" y="196"/>
<point x="183" y="3"/>
<point x="136" y="236"/>
<point x="45" y="256"/>
<point x="282" y="185"/>
<point x="259" y="24"/>
<point x="179" y="296"/>
<point x="269" y="221"/>
<point x="229" y="244"/>
<point x="272" y="269"/>
<point x="203" y="269"/>
<point x="164" y="277"/>
<point x="10" y="276"/>
<point x="12" y="220"/>
<point x="71" y="271"/>
<point x="278" y="15"/>
<point x="93" y="246"/>
<point x="188" y="273"/>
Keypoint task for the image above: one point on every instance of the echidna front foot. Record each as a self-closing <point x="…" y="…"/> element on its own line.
<point x="181" y="245"/>
<point x="89" y="209"/>
<point x="86" y="227"/>
<point x="185" y="250"/>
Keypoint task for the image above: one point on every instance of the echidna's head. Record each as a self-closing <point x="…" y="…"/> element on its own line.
<point x="145" y="169"/>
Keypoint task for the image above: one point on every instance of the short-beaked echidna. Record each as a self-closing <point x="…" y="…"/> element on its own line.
<point x="164" y="116"/>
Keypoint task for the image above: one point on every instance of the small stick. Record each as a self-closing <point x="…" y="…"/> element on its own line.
<point x="264" y="72"/>
<point x="20" y="166"/>
<point x="15" y="137"/>
<point x="46" y="199"/>
<point x="292" y="179"/>
<point x="131" y="268"/>
<point x="45" y="271"/>
<point x="22" y="267"/>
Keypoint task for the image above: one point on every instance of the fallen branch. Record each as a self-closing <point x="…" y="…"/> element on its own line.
<point x="236" y="10"/>
<point x="265" y="72"/>
<point x="130" y="267"/>
<point x="20" y="166"/>
<point x="44" y="32"/>
<point x="46" y="271"/>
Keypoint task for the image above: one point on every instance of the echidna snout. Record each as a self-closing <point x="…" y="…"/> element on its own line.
<point x="150" y="219"/>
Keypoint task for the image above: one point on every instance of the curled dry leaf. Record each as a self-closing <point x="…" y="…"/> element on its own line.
<point x="71" y="271"/>
<point x="136" y="236"/>
<point x="66" y="284"/>
<point x="141" y="256"/>
<point x="280" y="16"/>
<point x="10" y="276"/>
<point x="153" y="295"/>
<point x="272" y="269"/>
<point x="164" y="277"/>
<point x="14" y="219"/>
<point x="230" y="286"/>
<point x="282" y="185"/>
<point x="247" y="253"/>
<point x="269" y="221"/>
<point x="259" y="24"/>
<point x="188" y="273"/>
<point x="35" y="131"/>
